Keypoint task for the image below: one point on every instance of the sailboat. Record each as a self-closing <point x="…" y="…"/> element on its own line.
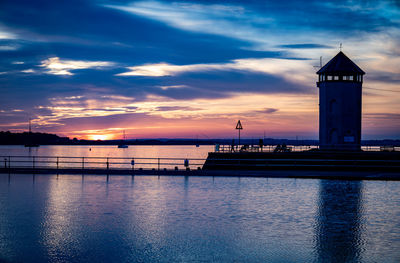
<point x="122" y="145"/>
<point x="30" y="144"/>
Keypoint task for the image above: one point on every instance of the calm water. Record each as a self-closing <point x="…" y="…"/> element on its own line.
<point x="146" y="151"/>
<point x="45" y="218"/>
<point x="70" y="218"/>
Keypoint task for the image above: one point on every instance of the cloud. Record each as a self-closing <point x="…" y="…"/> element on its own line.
<point x="387" y="77"/>
<point x="212" y="19"/>
<point x="384" y="116"/>
<point x="291" y="70"/>
<point x="7" y="44"/>
<point x="173" y="87"/>
<point x="56" y="66"/>
<point x="176" y="108"/>
<point x="267" y="110"/>
<point x="8" y="47"/>
<point x="81" y="106"/>
<point x="28" y="71"/>
<point x="267" y="26"/>
<point x="6" y="35"/>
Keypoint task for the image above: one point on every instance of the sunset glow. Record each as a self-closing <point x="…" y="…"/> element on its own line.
<point x="162" y="69"/>
<point x="100" y="137"/>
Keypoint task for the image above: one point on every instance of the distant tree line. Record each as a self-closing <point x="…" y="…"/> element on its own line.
<point x="9" y="138"/>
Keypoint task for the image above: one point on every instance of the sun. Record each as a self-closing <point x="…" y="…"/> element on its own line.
<point x="101" y="137"/>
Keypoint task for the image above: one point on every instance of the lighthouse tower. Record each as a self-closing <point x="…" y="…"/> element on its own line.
<point x="340" y="85"/>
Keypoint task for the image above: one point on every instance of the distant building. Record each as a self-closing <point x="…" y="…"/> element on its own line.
<point x="340" y="91"/>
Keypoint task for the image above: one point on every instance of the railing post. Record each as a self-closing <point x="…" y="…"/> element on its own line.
<point x="108" y="164"/>
<point x="5" y="163"/>
<point x="83" y="163"/>
<point x="186" y="164"/>
<point x="57" y="163"/>
<point x="133" y="163"/>
<point x="33" y="162"/>
<point x="158" y="164"/>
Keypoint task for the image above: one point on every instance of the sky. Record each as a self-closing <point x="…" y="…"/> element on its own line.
<point x="190" y="69"/>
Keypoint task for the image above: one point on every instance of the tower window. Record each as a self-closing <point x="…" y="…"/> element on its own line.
<point x="335" y="77"/>
<point x="329" y="77"/>
<point x="350" y="77"/>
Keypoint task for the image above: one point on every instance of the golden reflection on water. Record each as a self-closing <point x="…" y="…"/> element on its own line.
<point x="138" y="151"/>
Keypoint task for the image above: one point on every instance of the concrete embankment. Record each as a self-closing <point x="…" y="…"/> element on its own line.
<point x="301" y="174"/>
<point x="311" y="160"/>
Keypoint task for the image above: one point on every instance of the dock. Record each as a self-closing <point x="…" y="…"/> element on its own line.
<point x="228" y="167"/>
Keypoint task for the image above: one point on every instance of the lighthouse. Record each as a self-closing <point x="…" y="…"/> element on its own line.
<point x="340" y="91"/>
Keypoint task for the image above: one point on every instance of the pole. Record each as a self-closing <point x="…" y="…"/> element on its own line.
<point x="239" y="137"/>
<point x="239" y="127"/>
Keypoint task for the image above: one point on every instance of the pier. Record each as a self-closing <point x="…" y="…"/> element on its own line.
<point x="245" y="166"/>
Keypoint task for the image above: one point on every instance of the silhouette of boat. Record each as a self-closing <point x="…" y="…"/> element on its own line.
<point x="122" y="144"/>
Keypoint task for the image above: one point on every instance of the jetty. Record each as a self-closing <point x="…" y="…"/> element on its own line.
<point x="214" y="166"/>
<point x="376" y="161"/>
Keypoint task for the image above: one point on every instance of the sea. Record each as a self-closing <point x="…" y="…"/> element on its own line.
<point x="95" y="218"/>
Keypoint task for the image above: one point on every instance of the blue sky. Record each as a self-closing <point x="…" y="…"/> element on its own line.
<point x="92" y="69"/>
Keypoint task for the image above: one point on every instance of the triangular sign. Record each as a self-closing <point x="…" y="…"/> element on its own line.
<point x="239" y="126"/>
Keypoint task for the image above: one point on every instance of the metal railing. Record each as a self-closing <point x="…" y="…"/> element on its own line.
<point x="125" y="163"/>
<point x="266" y="148"/>
<point x="64" y="162"/>
<point x="291" y="148"/>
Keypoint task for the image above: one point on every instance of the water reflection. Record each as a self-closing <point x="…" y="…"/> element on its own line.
<point x="197" y="219"/>
<point x="339" y="221"/>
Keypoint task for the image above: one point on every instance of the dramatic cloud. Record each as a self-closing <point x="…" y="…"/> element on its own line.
<point x="265" y="25"/>
<point x="162" y="68"/>
<point x="290" y="69"/>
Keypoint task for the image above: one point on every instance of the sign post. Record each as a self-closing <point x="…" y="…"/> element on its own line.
<point x="239" y="127"/>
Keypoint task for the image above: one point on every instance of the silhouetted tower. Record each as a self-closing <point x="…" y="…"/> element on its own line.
<point x="340" y="85"/>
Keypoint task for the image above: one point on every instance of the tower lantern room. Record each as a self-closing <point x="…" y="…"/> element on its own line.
<point x="340" y="92"/>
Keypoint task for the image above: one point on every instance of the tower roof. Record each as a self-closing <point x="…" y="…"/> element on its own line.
<point x="340" y="64"/>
